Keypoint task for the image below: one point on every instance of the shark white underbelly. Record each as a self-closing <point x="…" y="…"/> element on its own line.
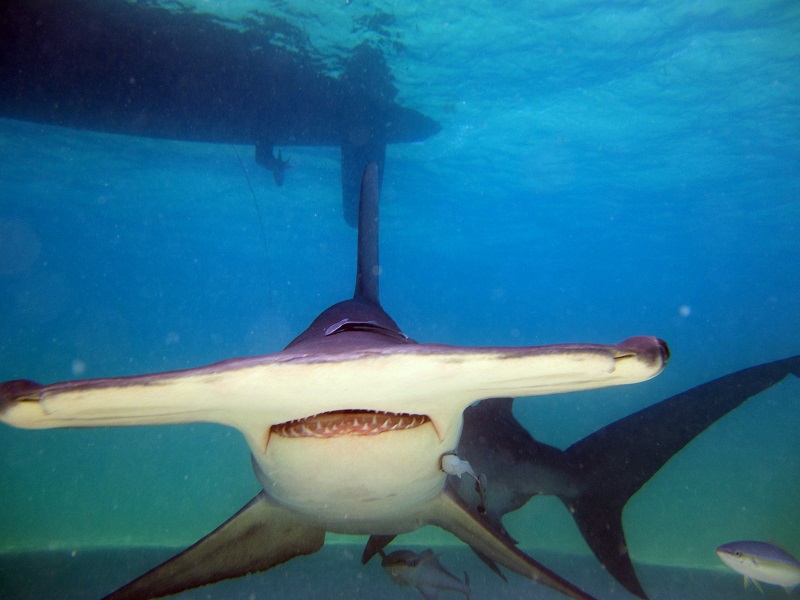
<point x="359" y="484"/>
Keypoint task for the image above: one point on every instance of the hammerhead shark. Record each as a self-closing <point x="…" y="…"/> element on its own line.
<point x="596" y="476"/>
<point x="347" y="427"/>
<point x="135" y="68"/>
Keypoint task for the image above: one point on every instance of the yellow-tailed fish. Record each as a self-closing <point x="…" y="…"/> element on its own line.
<point x="761" y="561"/>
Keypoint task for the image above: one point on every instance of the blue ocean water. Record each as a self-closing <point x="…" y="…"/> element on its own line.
<point x="604" y="169"/>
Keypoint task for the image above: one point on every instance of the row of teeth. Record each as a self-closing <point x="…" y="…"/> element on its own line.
<point x="329" y="425"/>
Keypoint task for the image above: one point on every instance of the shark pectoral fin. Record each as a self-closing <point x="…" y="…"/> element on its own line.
<point x="375" y="544"/>
<point x="260" y="536"/>
<point x="450" y="513"/>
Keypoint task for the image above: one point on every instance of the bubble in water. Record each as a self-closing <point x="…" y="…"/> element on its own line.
<point x="78" y="367"/>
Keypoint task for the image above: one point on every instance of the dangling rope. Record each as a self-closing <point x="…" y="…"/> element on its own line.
<point x="255" y="203"/>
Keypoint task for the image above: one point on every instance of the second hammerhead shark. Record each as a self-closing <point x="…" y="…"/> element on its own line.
<point x="323" y="419"/>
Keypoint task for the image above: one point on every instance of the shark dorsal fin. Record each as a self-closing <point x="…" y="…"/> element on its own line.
<point x="368" y="263"/>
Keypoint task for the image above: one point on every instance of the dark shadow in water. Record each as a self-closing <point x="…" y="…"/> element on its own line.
<point x="145" y="70"/>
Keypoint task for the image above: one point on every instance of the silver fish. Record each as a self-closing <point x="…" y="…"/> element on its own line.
<point x="760" y="561"/>
<point x="423" y="572"/>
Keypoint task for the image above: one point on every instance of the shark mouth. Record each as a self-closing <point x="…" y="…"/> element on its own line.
<point x="348" y="422"/>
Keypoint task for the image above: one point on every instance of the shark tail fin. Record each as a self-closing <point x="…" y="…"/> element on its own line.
<point x="368" y="261"/>
<point x="600" y="524"/>
<point x="258" y="537"/>
<point x="616" y="461"/>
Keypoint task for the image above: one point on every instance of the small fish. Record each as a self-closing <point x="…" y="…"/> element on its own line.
<point x="423" y="572"/>
<point x="760" y="561"/>
<point x="453" y="465"/>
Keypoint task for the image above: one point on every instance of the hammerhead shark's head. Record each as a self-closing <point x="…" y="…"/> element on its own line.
<point x="347" y="427"/>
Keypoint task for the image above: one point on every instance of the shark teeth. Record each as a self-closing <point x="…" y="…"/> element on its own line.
<point x="348" y="422"/>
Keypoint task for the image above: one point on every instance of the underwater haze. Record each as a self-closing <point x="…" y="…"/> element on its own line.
<point x="604" y="169"/>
